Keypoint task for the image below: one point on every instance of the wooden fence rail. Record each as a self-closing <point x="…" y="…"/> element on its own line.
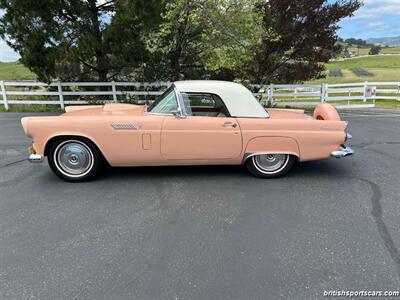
<point x="361" y="94"/>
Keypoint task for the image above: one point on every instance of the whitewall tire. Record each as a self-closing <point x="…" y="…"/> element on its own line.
<point x="270" y="165"/>
<point x="75" y="159"/>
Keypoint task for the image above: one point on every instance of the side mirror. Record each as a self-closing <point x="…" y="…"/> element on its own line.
<point x="178" y="114"/>
<point x="175" y="113"/>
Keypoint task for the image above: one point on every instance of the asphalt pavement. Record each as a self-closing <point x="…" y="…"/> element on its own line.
<point x="204" y="232"/>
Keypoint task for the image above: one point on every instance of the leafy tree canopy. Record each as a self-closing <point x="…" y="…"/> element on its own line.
<point x="357" y="42"/>
<point x="298" y="36"/>
<point x="257" y="40"/>
<point x="77" y="39"/>
<point x="375" y="50"/>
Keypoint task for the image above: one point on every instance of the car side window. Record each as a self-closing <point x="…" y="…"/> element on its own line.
<point x="165" y="104"/>
<point x="204" y="105"/>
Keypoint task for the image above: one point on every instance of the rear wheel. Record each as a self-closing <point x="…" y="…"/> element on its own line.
<point x="270" y="165"/>
<point x="75" y="159"/>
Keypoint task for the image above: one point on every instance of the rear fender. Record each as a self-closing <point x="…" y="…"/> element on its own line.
<point x="272" y="145"/>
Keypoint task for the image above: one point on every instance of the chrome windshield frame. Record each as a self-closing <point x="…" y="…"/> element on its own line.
<point x="181" y="104"/>
<point x="179" y="101"/>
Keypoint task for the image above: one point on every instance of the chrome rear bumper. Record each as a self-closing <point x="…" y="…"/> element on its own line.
<point x="346" y="151"/>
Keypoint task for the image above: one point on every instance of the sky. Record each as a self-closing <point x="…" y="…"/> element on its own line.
<point x="377" y="18"/>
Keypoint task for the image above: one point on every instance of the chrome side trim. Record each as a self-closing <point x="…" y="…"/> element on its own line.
<point x="160" y="114"/>
<point x="346" y="151"/>
<point x="36" y="158"/>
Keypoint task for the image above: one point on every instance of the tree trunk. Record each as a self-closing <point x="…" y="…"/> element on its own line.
<point x="102" y="64"/>
<point x="181" y="36"/>
<point x="102" y="75"/>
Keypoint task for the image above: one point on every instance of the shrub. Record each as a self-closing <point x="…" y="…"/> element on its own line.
<point x="375" y="50"/>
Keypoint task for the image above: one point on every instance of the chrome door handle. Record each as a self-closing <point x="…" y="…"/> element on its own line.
<point x="230" y="124"/>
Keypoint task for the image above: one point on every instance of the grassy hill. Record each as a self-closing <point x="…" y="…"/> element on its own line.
<point x="15" y="71"/>
<point x="365" y="50"/>
<point x="380" y="68"/>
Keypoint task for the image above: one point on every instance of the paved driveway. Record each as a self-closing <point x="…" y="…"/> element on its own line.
<point x="203" y="232"/>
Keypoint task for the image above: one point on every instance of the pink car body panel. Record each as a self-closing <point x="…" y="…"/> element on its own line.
<point x="128" y="135"/>
<point x="166" y="140"/>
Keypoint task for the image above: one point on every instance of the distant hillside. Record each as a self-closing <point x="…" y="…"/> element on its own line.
<point x="377" y="68"/>
<point x="385" y="41"/>
<point x="15" y="71"/>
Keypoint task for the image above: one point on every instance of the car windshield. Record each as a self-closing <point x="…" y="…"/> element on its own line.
<point x="165" y="104"/>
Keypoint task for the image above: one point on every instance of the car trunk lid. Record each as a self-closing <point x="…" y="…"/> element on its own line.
<point x="276" y="113"/>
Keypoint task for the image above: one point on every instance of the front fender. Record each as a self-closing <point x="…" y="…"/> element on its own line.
<point x="272" y="144"/>
<point x="44" y="147"/>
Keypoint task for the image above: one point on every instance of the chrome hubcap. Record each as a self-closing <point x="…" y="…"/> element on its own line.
<point x="270" y="163"/>
<point x="74" y="158"/>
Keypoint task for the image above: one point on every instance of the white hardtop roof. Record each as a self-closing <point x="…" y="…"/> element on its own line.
<point x="239" y="100"/>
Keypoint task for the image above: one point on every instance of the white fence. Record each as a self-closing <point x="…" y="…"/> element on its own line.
<point x="345" y="95"/>
<point x="73" y="93"/>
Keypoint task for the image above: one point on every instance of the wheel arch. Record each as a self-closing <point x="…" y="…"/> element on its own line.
<point x="271" y="145"/>
<point x="54" y="138"/>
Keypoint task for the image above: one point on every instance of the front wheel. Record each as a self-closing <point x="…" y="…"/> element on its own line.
<point x="75" y="159"/>
<point x="270" y="165"/>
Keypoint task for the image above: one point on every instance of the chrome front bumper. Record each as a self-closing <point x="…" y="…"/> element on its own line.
<point x="346" y="151"/>
<point x="33" y="157"/>
<point x="36" y="158"/>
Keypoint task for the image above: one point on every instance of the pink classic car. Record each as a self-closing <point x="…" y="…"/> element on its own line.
<point x="192" y="123"/>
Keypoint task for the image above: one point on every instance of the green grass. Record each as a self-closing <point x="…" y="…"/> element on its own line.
<point x="32" y="108"/>
<point x="382" y="68"/>
<point x="364" y="51"/>
<point x="15" y="71"/>
<point x="381" y="61"/>
<point x="388" y="104"/>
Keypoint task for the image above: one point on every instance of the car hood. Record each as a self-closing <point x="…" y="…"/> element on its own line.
<point x="276" y="113"/>
<point x="107" y="109"/>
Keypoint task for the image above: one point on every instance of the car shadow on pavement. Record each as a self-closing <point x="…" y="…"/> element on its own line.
<point x="321" y="168"/>
<point x="325" y="168"/>
<point x="175" y="171"/>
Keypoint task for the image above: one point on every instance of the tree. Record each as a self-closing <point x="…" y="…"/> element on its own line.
<point x="179" y="43"/>
<point x="201" y="38"/>
<point x="234" y="35"/>
<point x="261" y="40"/>
<point x="358" y="50"/>
<point x="375" y="50"/>
<point x="346" y="52"/>
<point x="78" y="39"/>
<point x="357" y="42"/>
<point x="299" y="35"/>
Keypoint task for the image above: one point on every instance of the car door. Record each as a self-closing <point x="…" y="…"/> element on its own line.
<point x="201" y="137"/>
